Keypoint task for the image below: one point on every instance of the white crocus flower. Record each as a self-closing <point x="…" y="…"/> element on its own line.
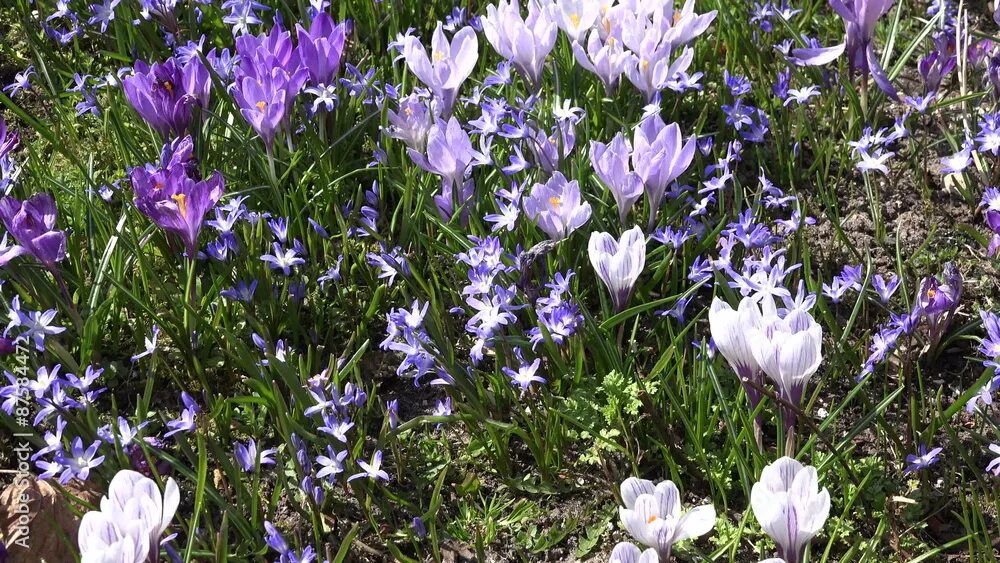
<point x="790" y="507"/>
<point x="731" y="334"/>
<point x="132" y="518"/>
<point x="575" y="17"/>
<point x="789" y="351"/>
<point x="618" y="262"/>
<point x="652" y="515"/>
<point x="625" y="552"/>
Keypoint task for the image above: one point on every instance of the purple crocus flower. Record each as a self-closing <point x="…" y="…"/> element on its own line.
<point x="263" y="104"/>
<point x="659" y="156"/>
<point x="8" y="139"/>
<point x="525" y="42"/>
<point x="938" y="300"/>
<point x="164" y="94"/>
<point x="175" y="201"/>
<point x="449" y="64"/>
<point x="557" y="207"/>
<point x="321" y="48"/>
<point x="269" y="77"/>
<point x="32" y="223"/>
<point x="860" y="17"/>
<point x="611" y="164"/>
<point x="618" y="262"/>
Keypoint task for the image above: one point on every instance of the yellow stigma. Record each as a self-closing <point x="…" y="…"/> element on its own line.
<point x="555" y="201"/>
<point x="168" y="86"/>
<point x="575" y="19"/>
<point x="677" y="17"/>
<point x="611" y="41"/>
<point x="181" y="201"/>
<point x="606" y="23"/>
<point x="931" y="292"/>
<point x="261" y="106"/>
<point x="644" y="64"/>
<point x="652" y="518"/>
<point x="438" y="56"/>
<point x="408" y="111"/>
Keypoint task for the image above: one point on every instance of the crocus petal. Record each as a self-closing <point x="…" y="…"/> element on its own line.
<point x="819" y="56"/>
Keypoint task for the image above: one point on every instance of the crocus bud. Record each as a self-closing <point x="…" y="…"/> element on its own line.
<point x="618" y="262"/>
<point x="789" y="351"/>
<point x="790" y="507"/>
<point x="731" y="334"/>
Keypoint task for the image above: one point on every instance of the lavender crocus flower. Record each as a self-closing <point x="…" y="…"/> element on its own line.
<point x="525" y="42"/>
<point x="32" y="223"/>
<point x="618" y="262"/>
<point x="164" y="94"/>
<point x="789" y="506"/>
<point x="449" y="155"/>
<point x="175" y="201"/>
<point x="557" y="207"/>
<point x="411" y="123"/>
<point x="131" y="520"/>
<point x="860" y="17"/>
<point x="611" y="164"/>
<point x="608" y="60"/>
<point x="654" y="33"/>
<point x="449" y="64"/>
<point x="575" y="17"/>
<point x="652" y="515"/>
<point x="659" y="156"/>
<point x="321" y="48"/>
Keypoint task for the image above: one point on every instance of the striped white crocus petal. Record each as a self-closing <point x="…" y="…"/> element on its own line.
<point x="625" y="552"/>
<point x="730" y="331"/>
